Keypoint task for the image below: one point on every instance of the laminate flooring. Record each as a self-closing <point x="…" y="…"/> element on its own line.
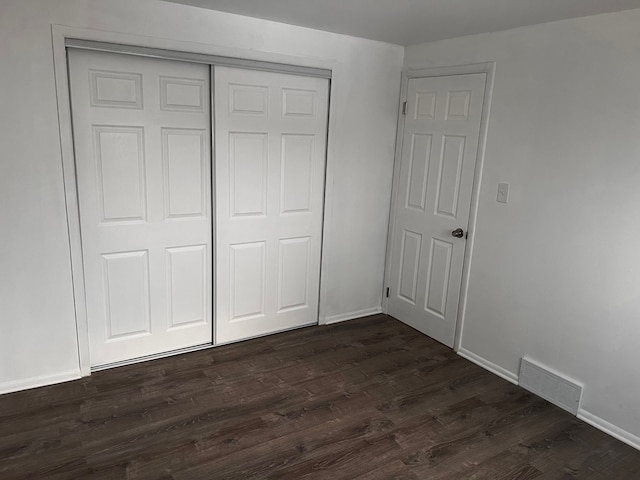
<point x="366" y="399"/>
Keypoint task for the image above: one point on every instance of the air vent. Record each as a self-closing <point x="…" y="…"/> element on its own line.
<point x="550" y="385"/>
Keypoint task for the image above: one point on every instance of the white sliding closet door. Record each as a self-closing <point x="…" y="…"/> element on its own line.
<point x="142" y="139"/>
<point x="270" y="161"/>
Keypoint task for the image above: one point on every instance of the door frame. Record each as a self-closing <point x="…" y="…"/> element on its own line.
<point x="64" y="37"/>
<point x="488" y="68"/>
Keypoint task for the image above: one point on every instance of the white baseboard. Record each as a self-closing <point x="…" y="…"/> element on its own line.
<point x="487" y="365"/>
<point x="588" y="417"/>
<point x="609" y="428"/>
<point x="342" y="317"/>
<point x="40" y="381"/>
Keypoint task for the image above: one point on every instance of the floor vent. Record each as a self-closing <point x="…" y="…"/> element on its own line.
<point x="550" y="385"/>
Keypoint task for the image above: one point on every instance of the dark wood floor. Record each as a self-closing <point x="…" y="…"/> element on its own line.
<point x="366" y="399"/>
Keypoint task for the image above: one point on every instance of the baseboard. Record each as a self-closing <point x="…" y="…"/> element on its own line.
<point x="487" y="365"/>
<point x="342" y="317"/>
<point x="588" y="417"/>
<point x="609" y="428"/>
<point x="41" y="381"/>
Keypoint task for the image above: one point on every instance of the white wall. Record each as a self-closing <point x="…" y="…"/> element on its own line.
<point x="37" y="325"/>
<point x="555" y="273"/>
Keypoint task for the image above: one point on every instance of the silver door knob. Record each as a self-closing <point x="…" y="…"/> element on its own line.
<point x="458" y="233"/>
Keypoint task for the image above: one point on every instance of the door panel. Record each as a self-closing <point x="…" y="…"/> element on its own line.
<point x="293" y="266"/>
<point x="126" y="288"/>
<point x="187" y="295"/>
<point x="409" y="266"/>
<point x="247" y="280"/>
<point x="121" y="172"/>
<point x="419" y="159"/>
<point x="185" y="171"/>
<point x="142" y="140"/>
<point x="270" y="160"/>
<point x="248" y="171"/>
<point x="437" y="165"/>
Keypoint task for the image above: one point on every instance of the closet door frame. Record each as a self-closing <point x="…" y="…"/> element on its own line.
<point x="64" y="37"/>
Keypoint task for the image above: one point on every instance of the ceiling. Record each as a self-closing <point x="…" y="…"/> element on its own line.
<point x="407" y="22"/>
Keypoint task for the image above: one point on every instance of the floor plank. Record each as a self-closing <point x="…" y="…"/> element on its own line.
<point x="365" y="399"/>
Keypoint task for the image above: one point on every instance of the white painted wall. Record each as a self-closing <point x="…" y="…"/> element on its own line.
<point x="37" y="326"/>
<point x="555" y="273"/>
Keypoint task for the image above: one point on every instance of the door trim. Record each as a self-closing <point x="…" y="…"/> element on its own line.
<point x="61" y="36"/>
<point x="488" y="68"/>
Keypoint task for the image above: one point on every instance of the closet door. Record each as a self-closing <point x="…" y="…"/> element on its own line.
<point x="142" y="140"/>
<point x="269" y="169"/>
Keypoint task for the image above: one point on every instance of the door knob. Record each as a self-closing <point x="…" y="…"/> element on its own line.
<point x="458" y="233"/>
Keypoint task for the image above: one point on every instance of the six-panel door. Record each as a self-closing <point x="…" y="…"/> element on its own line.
<point x="142" y="140"/>
<point x="270" y="160"/>
<point x="439" y="148"/>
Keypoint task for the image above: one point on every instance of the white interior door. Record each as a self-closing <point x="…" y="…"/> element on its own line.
<point x="439" y="149"/>
<point x="142" y="140"/>
<point x="270" y="161"/>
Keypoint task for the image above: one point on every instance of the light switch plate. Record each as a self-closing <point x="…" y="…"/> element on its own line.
<point x="503" y="193"/>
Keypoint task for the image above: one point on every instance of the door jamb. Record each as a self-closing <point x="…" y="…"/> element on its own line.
<point x="487" y="68"/>
<point x="60" y="34"/>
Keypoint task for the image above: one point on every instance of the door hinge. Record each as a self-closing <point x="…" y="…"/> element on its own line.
<point x="404" y="108"/>
<point x="387" y="292"/>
